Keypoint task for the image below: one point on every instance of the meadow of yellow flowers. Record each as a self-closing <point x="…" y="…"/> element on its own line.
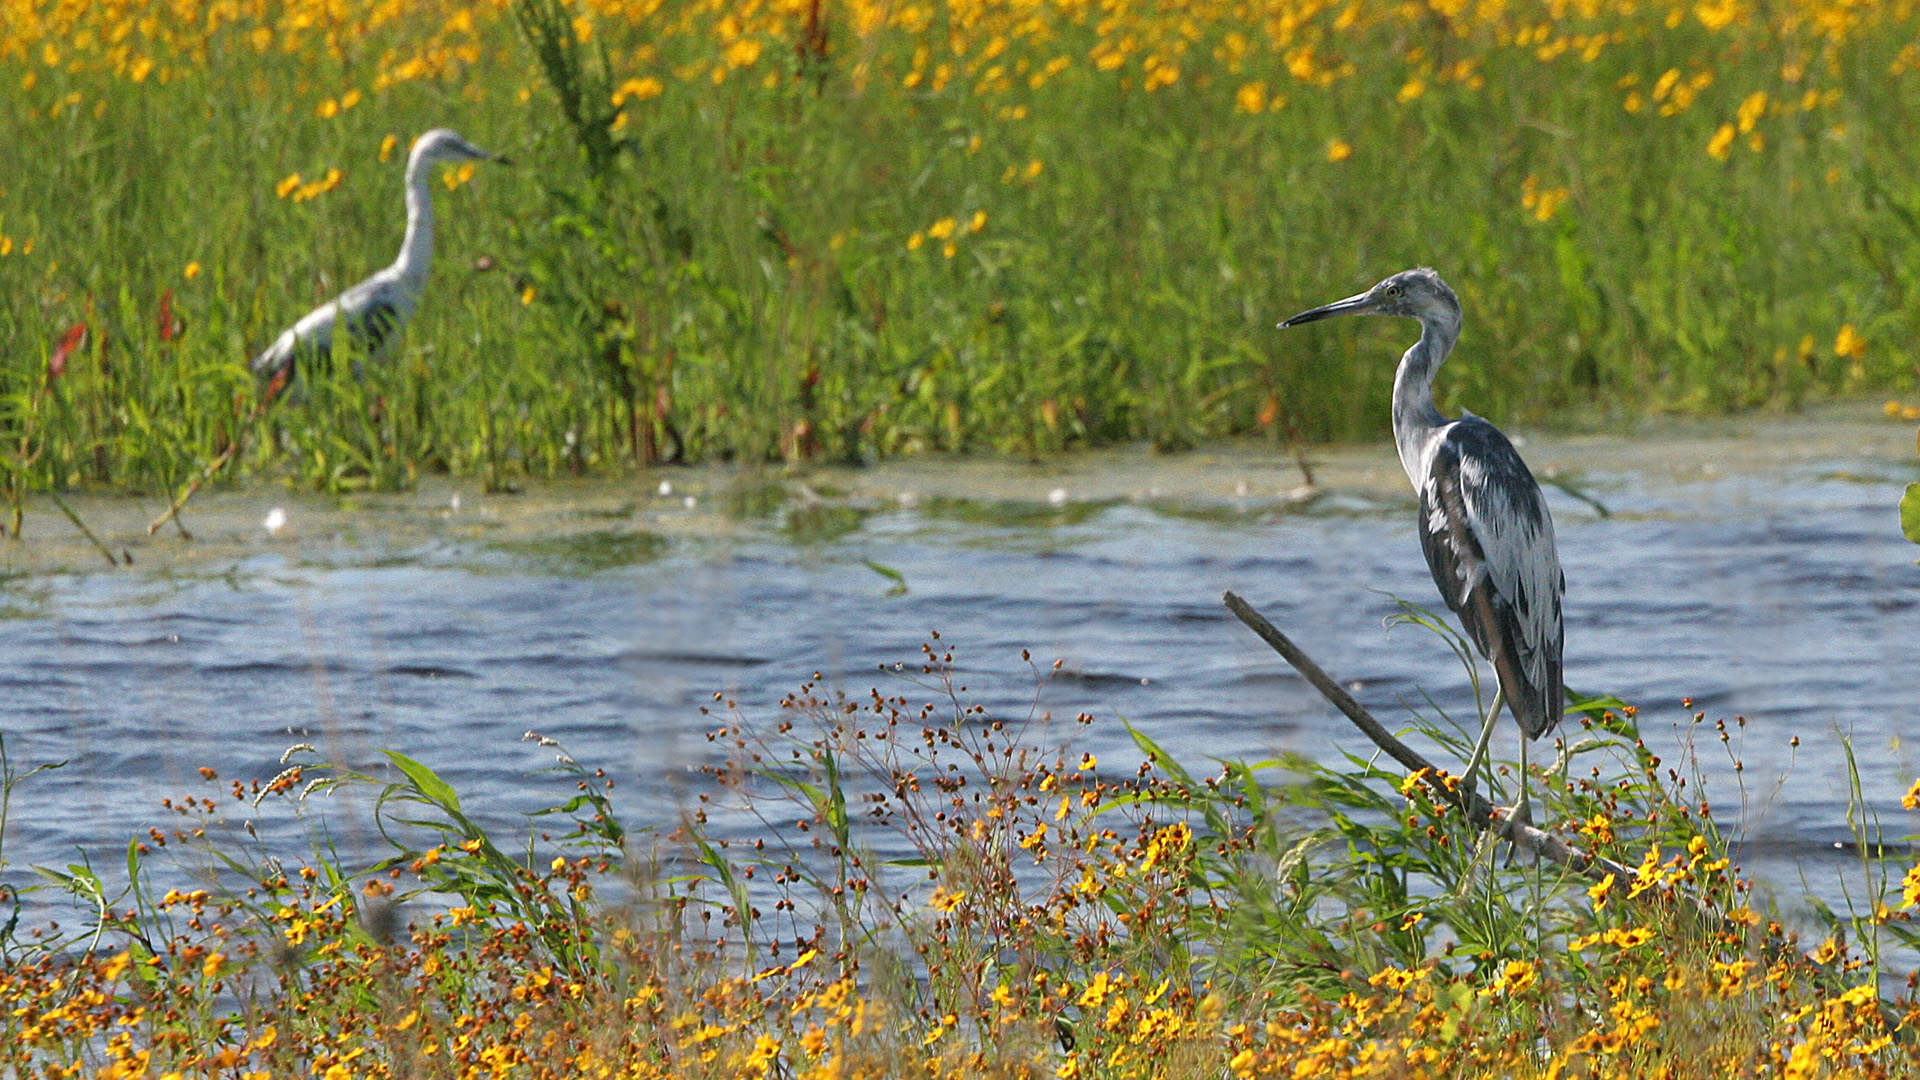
<point x="852" y="229"/>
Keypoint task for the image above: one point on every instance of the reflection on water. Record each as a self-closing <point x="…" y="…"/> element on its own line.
<point x="1765" y="577"/>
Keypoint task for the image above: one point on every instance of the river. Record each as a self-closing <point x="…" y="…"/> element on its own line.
<point x="1754" y="565"/>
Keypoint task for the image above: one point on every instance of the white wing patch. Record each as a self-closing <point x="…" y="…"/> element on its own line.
<point x="374" y="311"/>
<point x="1508" y="518"/>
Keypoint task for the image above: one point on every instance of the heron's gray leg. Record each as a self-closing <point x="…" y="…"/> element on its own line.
<point x="1479" y="757"/>
<point x="1522" y="813"/>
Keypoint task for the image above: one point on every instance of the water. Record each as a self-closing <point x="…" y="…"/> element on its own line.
<point x="1755" y="566"/>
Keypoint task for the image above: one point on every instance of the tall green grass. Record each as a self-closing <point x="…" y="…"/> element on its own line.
<point x="729" y="270"/>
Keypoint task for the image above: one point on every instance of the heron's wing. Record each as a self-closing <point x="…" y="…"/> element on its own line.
<point x="276" y="357"/>
<point x="1489" y="541"/>
<point x="311" y="336"/>
<point x="374" y="312"/>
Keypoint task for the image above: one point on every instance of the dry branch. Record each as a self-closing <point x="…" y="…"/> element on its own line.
<point x="274" y="389"/>
<point x="1480" y="812"/>
<point x="1483" y="815"/>
<point x="112" y="559"/>
<point x="180" y="500"/>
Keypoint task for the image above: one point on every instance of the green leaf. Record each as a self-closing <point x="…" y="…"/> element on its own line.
<point x="1910" y="513"/>
<point x="430" y="785"/>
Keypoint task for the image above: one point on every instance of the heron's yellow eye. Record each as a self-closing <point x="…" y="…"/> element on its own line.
<point x="1393" y="290"/>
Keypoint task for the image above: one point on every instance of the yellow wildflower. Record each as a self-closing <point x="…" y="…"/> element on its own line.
<point x="1910" y="889"/>
<point x="1599" y="891"/>
<point x="1721" y="145"/>
<point x="640" y="89"/>
<point x="317" y="188"/>
<point x="743" y="53"/>
<point x="1094" y="994"/>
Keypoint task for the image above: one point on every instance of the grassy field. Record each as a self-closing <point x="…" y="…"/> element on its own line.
<point x="927" y="889"/>
<point x="846" y="230"/>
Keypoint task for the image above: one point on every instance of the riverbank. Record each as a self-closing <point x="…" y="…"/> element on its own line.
<point x="1232" y="479"/>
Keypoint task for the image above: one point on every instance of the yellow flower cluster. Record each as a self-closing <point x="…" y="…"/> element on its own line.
<point x="1009" y="971"/>
<point x="1238" y="53"/>
<point x="300" y="190"/>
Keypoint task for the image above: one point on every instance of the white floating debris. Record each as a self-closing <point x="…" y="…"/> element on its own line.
<point x="275" y="521"/>
<point x="689" y="502"/>
<point x="909" y="499"/>
<point x="1240" y="489"/>
<point x="666" y="488"/>
<point x="1058" y="496"/>
<point x="453" y="503"/>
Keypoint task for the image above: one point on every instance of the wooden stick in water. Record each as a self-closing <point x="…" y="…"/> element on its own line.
<point x="274" y="389"/>
<point x="112" y="559"/>
<point x="213" y="467"/>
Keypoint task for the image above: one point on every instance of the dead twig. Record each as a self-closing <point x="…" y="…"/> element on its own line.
<point x="275" y="387"/>
<point x="173" y="511"/>
<point x="112" y="559"/>
<point x="1480" y="812"/>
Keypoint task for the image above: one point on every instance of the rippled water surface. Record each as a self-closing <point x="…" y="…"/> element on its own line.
<point x="1756" y="566"/>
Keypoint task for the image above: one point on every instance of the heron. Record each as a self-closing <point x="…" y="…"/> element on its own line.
<point x="1484" y="525"/>
<point x="376" y="310"/>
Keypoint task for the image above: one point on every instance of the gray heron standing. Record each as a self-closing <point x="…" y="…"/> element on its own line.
<point x="374" y="311"/>
<point x="1483" y="524"/>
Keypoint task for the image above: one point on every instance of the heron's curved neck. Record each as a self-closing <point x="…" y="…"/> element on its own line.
<point x="416" y="251"/>
<point x="1415" y="418"/>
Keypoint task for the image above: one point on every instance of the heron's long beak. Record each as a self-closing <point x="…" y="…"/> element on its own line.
<point x="1353" y="305"/>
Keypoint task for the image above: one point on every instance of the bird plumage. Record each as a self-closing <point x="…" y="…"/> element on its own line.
<point x="1489" y="542"/>
<point x="375" y="311"/>
<point x="1484" y="526"/>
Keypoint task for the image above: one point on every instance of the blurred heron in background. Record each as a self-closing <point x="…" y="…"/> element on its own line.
<point x="374" y="312"/>
<point x="1483" y="524"/>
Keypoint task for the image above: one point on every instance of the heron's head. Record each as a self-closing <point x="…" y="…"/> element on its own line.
<point x="1414" y="294"/>
<point x="445" y="144"/>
